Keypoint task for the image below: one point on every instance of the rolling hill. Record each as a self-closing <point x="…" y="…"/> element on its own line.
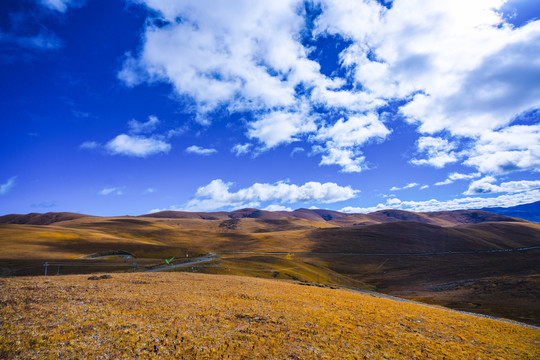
<point x="39" y="219"/>
<point x="198" y="316"/>
<point x="470" y="259"/>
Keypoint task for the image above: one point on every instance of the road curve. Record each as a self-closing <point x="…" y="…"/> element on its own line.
<point x="197" y="261"/>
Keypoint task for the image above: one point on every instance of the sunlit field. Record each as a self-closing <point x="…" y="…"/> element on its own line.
<point x="199" y="316"/>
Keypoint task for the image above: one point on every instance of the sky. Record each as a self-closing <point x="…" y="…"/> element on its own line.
<point x="125" y="107"/>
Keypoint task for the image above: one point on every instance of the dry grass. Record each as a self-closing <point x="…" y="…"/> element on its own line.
<point x="25" y="248"/>
<point x="195" y="316"/>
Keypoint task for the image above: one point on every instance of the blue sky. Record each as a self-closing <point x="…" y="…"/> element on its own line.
<point x="116" y="107"/>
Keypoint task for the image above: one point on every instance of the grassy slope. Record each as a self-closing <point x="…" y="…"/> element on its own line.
<point x="166" y="316"/>
<point x="26" y="247"/>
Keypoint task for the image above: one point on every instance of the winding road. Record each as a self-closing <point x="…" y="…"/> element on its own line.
<point x="197" y="261"/>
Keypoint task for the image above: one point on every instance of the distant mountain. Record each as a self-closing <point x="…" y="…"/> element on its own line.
<point x="530" y="212"/>
<point x="40" y="219"/>
<point x="440" y="218"/>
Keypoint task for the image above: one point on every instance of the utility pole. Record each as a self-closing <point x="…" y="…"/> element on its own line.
<point x="46" y="264"/>
<point x="58" y="271"/>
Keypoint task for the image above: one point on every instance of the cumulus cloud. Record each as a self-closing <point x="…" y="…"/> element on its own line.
<point x="112" y="191"/>
<point x="217" y="194"/>
<point x="454" y="204"/>
<point x="241" y="149"/>
<point x="439" y="151"/>
<point x="408" y="186"/>
<point x="138" y="146"/>
<point x="248" y="56"/>
<point x="486" y="185"/>
<point x="194" y="149"/>
<point x="469" y="72"/>
<point x="515" y="148"/>
<point x="137" y="127"/>
<point x="280" y="127"/>
<point x="457" y="176"/>
<point x="343" y="139"/>
<point x="7" y="186"/>
<point x="275" y="207"/>
<point x="350" y="160"/>
<point x="134" y="143"/>
<point x="457" y="68"/>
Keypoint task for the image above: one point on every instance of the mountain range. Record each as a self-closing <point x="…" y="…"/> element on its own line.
<point x="471" y="260"/>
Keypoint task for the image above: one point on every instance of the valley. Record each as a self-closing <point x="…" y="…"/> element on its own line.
<point x="467" y="260"/>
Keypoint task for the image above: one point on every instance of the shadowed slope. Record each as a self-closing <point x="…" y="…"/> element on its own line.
<point x="39" y="219"/>
<point x="441" y="218"/>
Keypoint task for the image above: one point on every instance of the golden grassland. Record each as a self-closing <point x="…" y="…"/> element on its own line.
<point x="70" y="245"/>
<point x="197" y="316"/>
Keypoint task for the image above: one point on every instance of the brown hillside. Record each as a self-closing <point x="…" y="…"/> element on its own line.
<point x="414" y="237"/>
<point x="456" y="265"/>
<point x="39" y="219"/>
<point x="441" y="218"/>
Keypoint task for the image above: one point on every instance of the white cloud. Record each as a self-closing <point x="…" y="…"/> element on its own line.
<point x="424" y="187"/>
<point x="194" y="149"/>
<point x="280" y="127"/>
<point x="470" y="68"/>
<point x="137" y="127"/>
<point x="7" y="186"/>
<point x="364" y="210"/>
<point x="472" y="73"/>
<point x="149" y="191"/>
<point x="350" y="160"/>
<point x="275" y="207"/>
<point x="112" y="191"/>
<point x="457" y="176"/>
<point x="408" y="186"/>
<point x="472" y="202"/>
<point x="247" y="56"/>
<point x="89" y="145"/>
<point x="344" y="138"/>
<point x="61" y="5"/>
<point x="439" y="152"/>
<point x="464" y="71"/>
<point x="354" y="131"/>
<point x="241" y="149"/>
<point x="515" y="148"/>
<point x="485" y="186"/>
<point x="233" y="49"/>
<point x="454" y="204"/>
<point x="137" y="146"/>
<point x="216" y="194"/>
<point x="134" y="144"/>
